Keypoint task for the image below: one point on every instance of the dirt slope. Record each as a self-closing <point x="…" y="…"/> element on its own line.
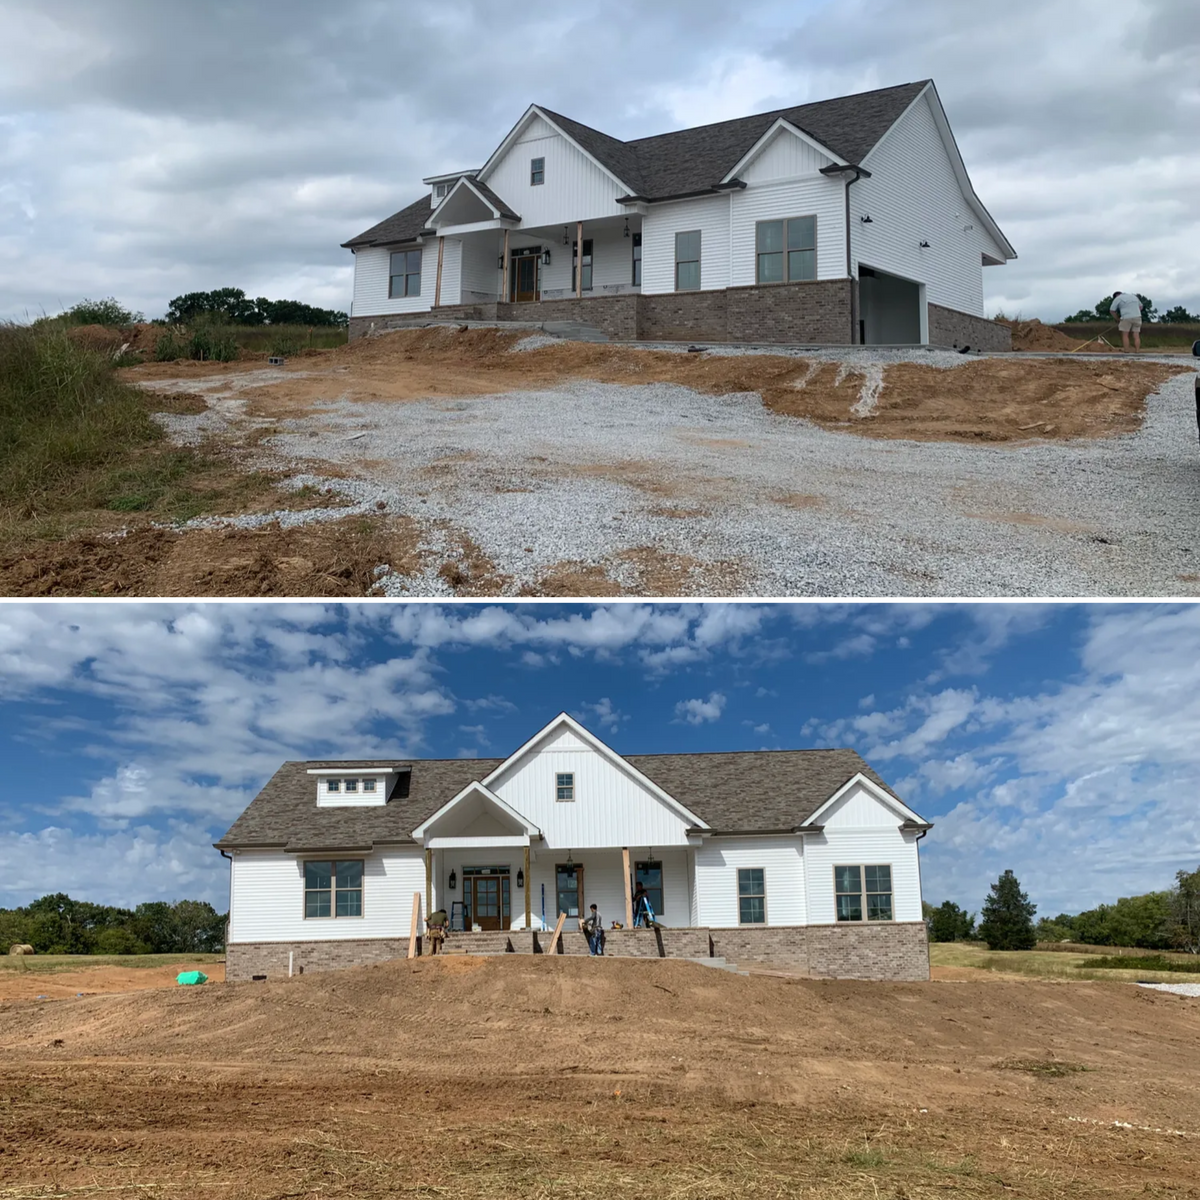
<point x="574" y="1077"/>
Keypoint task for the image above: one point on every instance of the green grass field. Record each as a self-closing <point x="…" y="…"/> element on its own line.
<point x="53" y="963"/>
<point x="1039" y="964"/>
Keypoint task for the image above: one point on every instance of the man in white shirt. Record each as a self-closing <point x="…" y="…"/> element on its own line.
<point x="1127" y="308"/>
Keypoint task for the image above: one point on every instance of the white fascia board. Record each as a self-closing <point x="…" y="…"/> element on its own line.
<point x="499" y="842"/>
<point x="475" y="227"/>
<point x="883" y="796"/>
<point x="465" y="181"/>
<point x="929" y="92"/>
<point x="605" y="751"/>
<point x="431" y="179"/>
<point x="483" y="790"/>
<point x="763" y="141"/>
<point x="531" y="112"/>
<point x="394" y="770"/>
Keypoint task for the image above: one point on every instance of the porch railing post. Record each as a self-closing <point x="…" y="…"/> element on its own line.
<point x="528" y="893"/>
<point x="628" y="889"/>
<point x="428" y="882"/>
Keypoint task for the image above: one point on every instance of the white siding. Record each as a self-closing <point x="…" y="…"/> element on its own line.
<point x="610" y="807"/>
<point x="267" y="898"/>
<point x="784" y="157"/>
<point x="480" y="275"/>
<point x="371" y="266"/>
<point x="356" y="799"/>
<point x="709" y="214"/>
<point x="451" y="271"/>
<point x="575" y="188"/>
<point x="812" y="195"/>
<point x="912" y="196"/>
<point x="612" y="262"/>
<point x="783" y="863"/>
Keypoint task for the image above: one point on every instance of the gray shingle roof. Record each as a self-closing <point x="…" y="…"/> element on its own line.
<point x="491" y="197"/>
<point x="738" y="791"/>
<point x="695" y="160"/>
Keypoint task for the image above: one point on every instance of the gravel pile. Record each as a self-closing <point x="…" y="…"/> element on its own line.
<point x="1178" y="989"/>
<point x="587" y="470"/>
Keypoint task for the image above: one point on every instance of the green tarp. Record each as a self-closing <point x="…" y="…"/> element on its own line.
<point x="189" y="977"/>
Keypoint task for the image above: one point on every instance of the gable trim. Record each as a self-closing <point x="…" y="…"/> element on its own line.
<point x="870" y="786"/>
<point x="534" y="111"/>
<point x="468" y="182"/>
<point x="531" y="830"/>
<point x="606" y="752"/>
<point x="780" y="124"/>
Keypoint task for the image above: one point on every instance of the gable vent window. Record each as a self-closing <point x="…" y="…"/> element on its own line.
<point x="564" y="786"/>
<point x="786" y="250"/>
<point x="333" y="785"/>
<point x="537" y="171"/>
<point x="368" y="785"/>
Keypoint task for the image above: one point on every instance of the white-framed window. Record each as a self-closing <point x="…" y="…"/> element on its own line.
<point x="440" y="190"/>
<point x="863" y="893"/>
<point x="687" y="261"/>
<point x="405" y="277"/>
<point x="351" y="786"/>
<point x="587" y="264"/>
<point x="333" y="785"/>
<point x="333" y="889"/>
<point x="564" y="785"/>
<point x="637" y="260"/>
<point x="368" y="785"/>
<point x="537" y="171"/>
<point x="786" y="251"/>
<point x="752" y="896"/>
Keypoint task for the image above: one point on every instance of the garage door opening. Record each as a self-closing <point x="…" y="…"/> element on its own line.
<point x="891" y="309"/>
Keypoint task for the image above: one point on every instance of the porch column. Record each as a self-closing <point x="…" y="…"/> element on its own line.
<point x="428" y="882"/>
<point x="504" y="285"/>
<point x="437" y="291"/>
<point x="628" y="889"/>
<point x="528" y="893"/>
<point x="579" y="261"/>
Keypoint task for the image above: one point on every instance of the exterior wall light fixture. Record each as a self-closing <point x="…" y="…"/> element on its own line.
<point x="546" y="257"/>
<point x="924" y="245"/>
<point x="452" y="882"/>
<point x="626" y="233"/>
<point x="520" y="877"/>
<point x="866" y="219"/>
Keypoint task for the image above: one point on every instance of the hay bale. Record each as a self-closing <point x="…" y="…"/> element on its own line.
<point x="20" y="948"/>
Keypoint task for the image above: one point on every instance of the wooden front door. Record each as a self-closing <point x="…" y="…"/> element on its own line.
<point x="525" y="278"/>
<point x="485" y="901"/>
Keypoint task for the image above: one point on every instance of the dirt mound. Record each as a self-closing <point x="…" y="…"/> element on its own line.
<point x="1033" y="335"/>
<point x="98" y="338"/>
<point x="143" y="338"/>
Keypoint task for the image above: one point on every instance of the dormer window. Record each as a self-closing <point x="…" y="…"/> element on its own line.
<point x="368" y="785"/>
<point x="564" y="786"/>
<point x="351" y="785"/>
<point x="440" y="190"/>
<point x="333" y="785"/>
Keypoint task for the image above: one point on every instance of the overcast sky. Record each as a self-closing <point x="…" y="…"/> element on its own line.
<point x="1056" y="740"/>
<point x="152" y="147"/>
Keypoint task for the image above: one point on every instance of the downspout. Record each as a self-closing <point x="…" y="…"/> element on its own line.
<point x="229" y="918"/>
<point x="849" y="275"/>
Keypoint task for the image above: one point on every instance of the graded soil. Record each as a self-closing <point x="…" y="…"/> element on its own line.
<point x="97" y="980"/>
<point x="574" y="1077"/>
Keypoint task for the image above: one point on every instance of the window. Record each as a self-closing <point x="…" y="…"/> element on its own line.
<point x="752" y="896"/>
<point x="687" y="261"/>
<point x="786" y="250"/>
<point x="406" y="274"/>
<point x="537" y="171"/>
<point x="862" y="890"/>
<point x="587" y="264"/>
<point x="649" y="875"/>
<point x="351" y="785"/>
<point x="368" y="785"/>
<point x="333" y="889"/>
<point x="333" y="785"/>
<point x="637" y="260"/>
<point x="440" y="190"/>
<point x="564" y="786"/>
<point x="567" y="880"/>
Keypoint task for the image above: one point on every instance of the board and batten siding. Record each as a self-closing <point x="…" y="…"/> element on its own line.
<point x="913" y="195"/>
<point x="611" y="808"/>
<point x="267" y="898"/>
<point x="710" y="215"/>
<point x="371" y="273"/>
<point x="862" y="831"/>
<point x="575" y="188"/>
<point x="783" y="864"/>
<point x="784" y="157"/>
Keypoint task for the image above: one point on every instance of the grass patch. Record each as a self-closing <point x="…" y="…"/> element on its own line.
<point x="869" y="1157"/>
<point x="1144" y="962"/>
<point x="55" y="963"/>
<point x="1047" y="1067"/>
<point x="1076" y="967"/>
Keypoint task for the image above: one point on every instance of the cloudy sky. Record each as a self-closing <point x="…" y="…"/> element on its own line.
<point x="152" y="147"/>
<point x="1059" y="741"/>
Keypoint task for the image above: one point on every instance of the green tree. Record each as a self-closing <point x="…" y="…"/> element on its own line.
<point x="1179" y="316"/>
<point x="1055" y="929"/>
<point x="102" y="312"/>
<point x="1084" y="314"/>
<point x="1185" y="911"/>
<point x="1008" y="916"/>
<point x="949" y="923"/>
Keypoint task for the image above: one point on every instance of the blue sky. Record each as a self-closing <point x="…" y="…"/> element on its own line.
<point x="1058" y="740"/>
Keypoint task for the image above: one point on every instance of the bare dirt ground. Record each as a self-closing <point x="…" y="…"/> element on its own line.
<point x="16" y="984"/>
<point x="575" y="1077"/>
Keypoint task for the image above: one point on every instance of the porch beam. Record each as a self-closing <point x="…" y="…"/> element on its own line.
<point x="528" y="892"/>
<point x="437" y="291"/>
<point x="504" y="284"/>
<point x="428" y="882"/>
<point x="628" y="889"/>
<point x="579" y="270"/>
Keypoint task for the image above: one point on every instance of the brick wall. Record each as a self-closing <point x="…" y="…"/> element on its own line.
<point x="615" y="315"/>
<point x="949" y="327"/>
<point x="894" y="950"/>
<point x="244" y="960"/>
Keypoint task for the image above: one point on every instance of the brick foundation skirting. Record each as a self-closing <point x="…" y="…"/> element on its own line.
<point x="949" y="327"/>
<point x="897" y="951"/>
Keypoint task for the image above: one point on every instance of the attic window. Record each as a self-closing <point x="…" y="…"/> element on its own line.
<point x="333" y="785"/>
<point x="351" y="785"/>
<point x="440" y="190"/>
<point x="564" y="786"/>
<point x="537" y="171"/>
<point x="368" y="785"/>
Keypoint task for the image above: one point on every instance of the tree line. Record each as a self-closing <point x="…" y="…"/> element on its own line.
<point x="1168" y="920"/>
<point x="1178" y="315"/>
<point x="59" y="925"/>
<point x="228" y="305"/>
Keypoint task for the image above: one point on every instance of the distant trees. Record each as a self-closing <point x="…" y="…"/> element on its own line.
<point x="101" y="312"/>
<point x="1180" y="316"/>
<point x="235" y="307"/>
<point x="1185" y="911"/>
<point x="1103" y="312"/>
<point x="56" y="924"/>
<point x="1008" y="916"/>
<point x="949" y="923"/>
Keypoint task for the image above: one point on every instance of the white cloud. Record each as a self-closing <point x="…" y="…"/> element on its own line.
<point x="602" y="713"/>
<point x="697" y="712"/>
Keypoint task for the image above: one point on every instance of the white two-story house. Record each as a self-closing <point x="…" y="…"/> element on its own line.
<point x="801" y="858"/>
<point x="845" y="221"/>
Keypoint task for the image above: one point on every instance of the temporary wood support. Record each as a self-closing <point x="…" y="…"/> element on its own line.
<point x="437" y="291"/>
<point x="557" y="934"/>
<point x="528" y="893"/>
<point x="428" y="882"/>
<point x="504" y="285"/>
<point x="628" y="889"/>
<point x="579" y="261"/>
<point x="412" y="929"/>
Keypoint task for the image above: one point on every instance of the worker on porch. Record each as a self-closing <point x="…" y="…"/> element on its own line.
<point x="436" y="924"/>
<point x="593" y="926"/>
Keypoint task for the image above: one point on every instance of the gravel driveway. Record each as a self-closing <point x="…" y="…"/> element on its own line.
<point x="586" y="471"/>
